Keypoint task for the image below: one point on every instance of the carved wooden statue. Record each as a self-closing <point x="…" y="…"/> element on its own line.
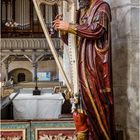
<point x="93" y="105"/>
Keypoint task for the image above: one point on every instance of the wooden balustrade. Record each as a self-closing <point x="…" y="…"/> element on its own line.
<point x="27" y="43"/>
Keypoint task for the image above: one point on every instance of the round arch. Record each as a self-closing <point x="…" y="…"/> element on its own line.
<point x="21" y="75"/>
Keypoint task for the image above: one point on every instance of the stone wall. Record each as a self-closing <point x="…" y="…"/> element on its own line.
<point x="44" y="66"/>
<point x="125" y="58"/>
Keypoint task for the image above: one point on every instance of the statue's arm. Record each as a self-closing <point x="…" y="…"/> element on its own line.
<point x="95" y="30"/>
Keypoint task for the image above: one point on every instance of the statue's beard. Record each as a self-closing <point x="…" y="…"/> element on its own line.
<point x="83" y="3"/>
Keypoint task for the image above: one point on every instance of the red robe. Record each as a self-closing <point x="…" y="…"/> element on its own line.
<point x="94" y="69"/>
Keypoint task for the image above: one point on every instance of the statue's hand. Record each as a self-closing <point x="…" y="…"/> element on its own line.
<point x="60" y="25"/>
<point x="59" y="16"/>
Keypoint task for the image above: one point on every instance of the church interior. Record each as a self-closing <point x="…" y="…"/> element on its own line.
<point x="33" y="103"/>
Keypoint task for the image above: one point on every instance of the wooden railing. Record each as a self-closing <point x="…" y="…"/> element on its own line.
<point x="27" y="43"/>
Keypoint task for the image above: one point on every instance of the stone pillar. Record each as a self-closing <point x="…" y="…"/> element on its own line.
<point x="125" y="60"/>
<point x="133" y="73"/>
<point x="35" y="66"/>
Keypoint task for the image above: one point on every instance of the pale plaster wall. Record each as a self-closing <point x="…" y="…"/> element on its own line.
<point x="14" y="73"/>
<point x="43" y="66"/>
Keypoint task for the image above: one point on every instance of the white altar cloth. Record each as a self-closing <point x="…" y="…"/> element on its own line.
<point x="44" y="106"/>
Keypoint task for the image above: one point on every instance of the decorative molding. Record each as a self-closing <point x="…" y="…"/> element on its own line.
<point x="27" y="44"/>
<point x="55" y="134"/>
<point x="13" y="129"/>
<point x="63" y="129"/>
<point x="14" y="134"/>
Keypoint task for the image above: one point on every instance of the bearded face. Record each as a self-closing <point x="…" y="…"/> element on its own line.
<point x="84" y="3"/>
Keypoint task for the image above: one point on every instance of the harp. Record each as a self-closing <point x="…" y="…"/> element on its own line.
<point x="73" y="86"/>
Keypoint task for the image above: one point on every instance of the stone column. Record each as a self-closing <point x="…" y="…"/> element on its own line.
<point x="125" y="60"/>
<point x="34" y="64"/>
<point x="133" y="72"/>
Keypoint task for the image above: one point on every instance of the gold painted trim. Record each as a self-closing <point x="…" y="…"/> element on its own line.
<point x="98" y="116"/>
<point x="49" y="128"/>
<point x="94" y="106"/>
<point x="101" y="50"/>
<point x="105" y="90"/>
<point x="72" y="28"/>
<point x="82" y="135"/>
<point x="14" y="130"/>
<point x="63" y="32"/>
<point x="82" y="131"/>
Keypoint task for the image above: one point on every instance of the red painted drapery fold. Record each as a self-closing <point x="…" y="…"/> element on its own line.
<point x="94" y="69"/>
